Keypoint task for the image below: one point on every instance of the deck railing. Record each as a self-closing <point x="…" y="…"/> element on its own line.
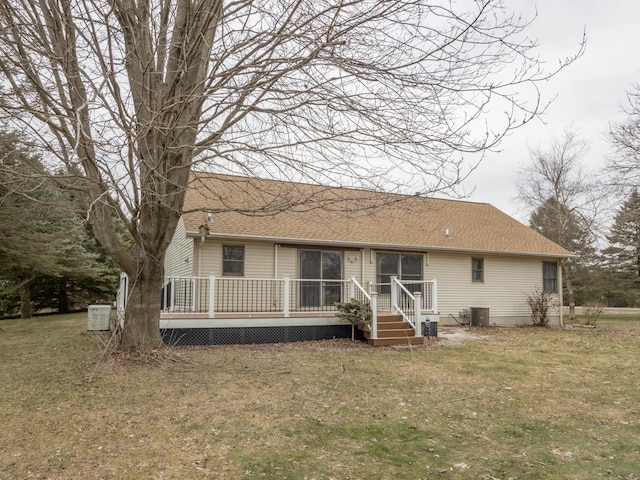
<point x="428" y="289"/>
<point x="213" y="295"/>
<point x="407" y="304"/>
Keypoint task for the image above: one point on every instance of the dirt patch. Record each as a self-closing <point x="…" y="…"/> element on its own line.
<point x="451" y="336"/>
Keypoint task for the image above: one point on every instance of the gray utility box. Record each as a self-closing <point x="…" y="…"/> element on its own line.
<point x="479" y="316"/>
<point x="98" y="317"/>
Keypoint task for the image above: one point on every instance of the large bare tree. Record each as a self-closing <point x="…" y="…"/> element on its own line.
<point x="565" y="201"/>
<point x="624" y="164"/>
<point x="127" y="96"/>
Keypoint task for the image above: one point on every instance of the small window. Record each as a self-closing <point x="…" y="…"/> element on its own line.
<point x="477" y="269"/>
<point x="550" y="277"/>
<point x="232" y="261"/>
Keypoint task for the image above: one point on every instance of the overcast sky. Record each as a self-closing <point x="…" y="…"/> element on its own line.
<point x="589" y="93"/>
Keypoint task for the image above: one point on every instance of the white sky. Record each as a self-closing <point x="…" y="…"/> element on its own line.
<point x="589" y="93"/>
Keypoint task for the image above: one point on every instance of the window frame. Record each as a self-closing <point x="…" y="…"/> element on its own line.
<point x="477" y="272"/>
<point x="546" y="278"/>
<point x="321" y="291"/>
<point x="233" y="261"/>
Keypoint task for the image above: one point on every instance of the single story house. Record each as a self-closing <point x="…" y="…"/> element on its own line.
<point x="256" y="260"/>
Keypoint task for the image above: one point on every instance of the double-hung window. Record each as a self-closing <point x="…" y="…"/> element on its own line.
<point x="477" y="269"/>
<point x="232" y="260"/>
<point x="550" y="277"/>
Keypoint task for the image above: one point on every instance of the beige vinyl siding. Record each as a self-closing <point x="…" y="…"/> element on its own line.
<point x="288" y="267"/>
<point x="258" y="259"/>
<point x="287" y="262"/>
<point x="369" y="260"/>
<point x="508" y="281"/>
<point x="179" y="257"/>
<point x="210" y="258"/>
<point x="352" y="265"/>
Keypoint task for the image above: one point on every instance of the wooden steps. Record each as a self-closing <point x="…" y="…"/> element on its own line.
<point x="393" y="330"/>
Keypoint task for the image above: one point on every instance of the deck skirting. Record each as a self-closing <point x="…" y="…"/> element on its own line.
<point x="253" y="335"/>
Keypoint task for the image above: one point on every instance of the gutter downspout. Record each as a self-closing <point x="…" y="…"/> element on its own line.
<point x="561" y="269"/>
<point x="276" y="248"/>
<point x="199" y="248"/>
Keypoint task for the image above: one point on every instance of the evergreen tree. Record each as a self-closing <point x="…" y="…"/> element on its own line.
<point x="622" y="256"/>
<point x="565" y="226"/>
<point x="42" y="239"/>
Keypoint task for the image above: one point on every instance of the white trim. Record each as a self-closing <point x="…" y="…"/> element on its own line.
<point x="376" y="246"/>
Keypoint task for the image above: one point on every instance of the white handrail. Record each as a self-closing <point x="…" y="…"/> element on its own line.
<point x="373" y="304"/>
<point x="396" y="288"/>
<point x="353" y="284"/>
<point x="402" y="287"/>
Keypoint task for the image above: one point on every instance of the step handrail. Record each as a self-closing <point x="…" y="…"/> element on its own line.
<point x="416" y="299"/>
<point x="354" y="287"/>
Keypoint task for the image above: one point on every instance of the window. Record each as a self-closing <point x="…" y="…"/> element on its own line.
<point x="477" y="269"/>
<point x="550" y="277"/>
<point x="232" y="261"/>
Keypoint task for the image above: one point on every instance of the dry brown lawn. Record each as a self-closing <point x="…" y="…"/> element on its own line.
<point x="521" y="403"/>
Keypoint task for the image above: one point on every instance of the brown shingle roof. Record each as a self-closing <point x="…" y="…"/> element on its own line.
<point x="287" y="212"/>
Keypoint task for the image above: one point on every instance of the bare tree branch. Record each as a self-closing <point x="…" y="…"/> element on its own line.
<point x="624" y="165"/>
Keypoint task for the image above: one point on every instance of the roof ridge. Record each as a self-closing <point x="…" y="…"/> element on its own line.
<point x="340" y="187"/>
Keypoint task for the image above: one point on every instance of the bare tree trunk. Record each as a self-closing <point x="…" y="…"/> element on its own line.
<point x="26" y="309"/>
<point x="63" y="297"/>
<point x="142" y="316"/>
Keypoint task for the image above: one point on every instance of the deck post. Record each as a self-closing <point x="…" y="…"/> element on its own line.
<point x="194" y="285"/>
<point x="173" y="294"/>
<point x="374" y="315"/>
<point x="286" y="296"/>
<point x="394" y="294"/>
<point x="417" y="313"/>
<point x="434" y="296"/>
<point x="352" y="290"/>
<point x="212" y="280"/>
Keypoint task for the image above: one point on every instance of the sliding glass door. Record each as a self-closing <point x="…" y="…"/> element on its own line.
<point x="407" y="267"/>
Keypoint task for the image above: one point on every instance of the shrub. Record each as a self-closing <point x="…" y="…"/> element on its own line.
<point x="540" y="303"/>
<point x="354" y="311"/>
<point x="592" y="309"/>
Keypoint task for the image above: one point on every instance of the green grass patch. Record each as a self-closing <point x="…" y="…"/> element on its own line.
<point x="525" y="403"/>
